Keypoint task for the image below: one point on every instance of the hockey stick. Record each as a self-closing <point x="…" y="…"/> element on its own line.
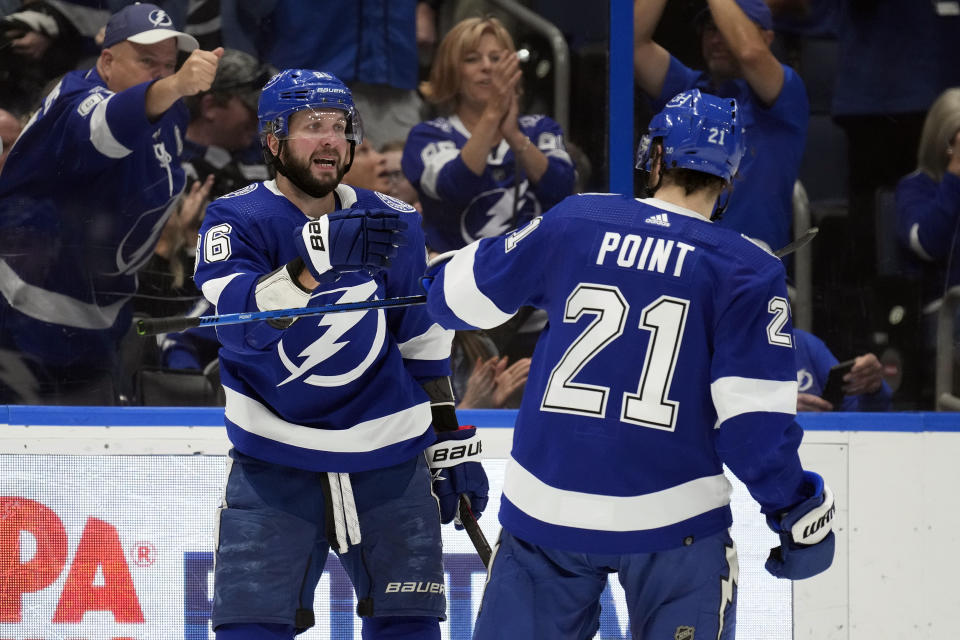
<point x="797" y="244"/>
<point x="153" y="326"/>
<point x="469" y="521"/>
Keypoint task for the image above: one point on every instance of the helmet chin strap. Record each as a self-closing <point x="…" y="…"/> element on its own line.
<point x="722" y="202"/>
<point x="277" y="164"/>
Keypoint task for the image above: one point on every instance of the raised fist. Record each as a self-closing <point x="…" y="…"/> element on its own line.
<point x="198" y="72"/>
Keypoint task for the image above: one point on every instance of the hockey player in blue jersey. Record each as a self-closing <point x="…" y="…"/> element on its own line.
<point x="84" y="196"/>
<point x="668" y="353"/>
<point x="329" y="416"/>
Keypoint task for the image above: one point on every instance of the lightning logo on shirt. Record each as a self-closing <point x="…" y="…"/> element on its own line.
<point x="491" y="213"/>
<point x="330" y="341"/>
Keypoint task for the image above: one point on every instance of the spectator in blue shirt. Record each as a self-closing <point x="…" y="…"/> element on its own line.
<point x="735" y="40"/>
<point x="864" y="388"/>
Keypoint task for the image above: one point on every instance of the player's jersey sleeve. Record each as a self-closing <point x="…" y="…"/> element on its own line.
<point x="109" y="126"/>
<point x="927" y="214"/>
<point x="231" y="258"/>
<point x="431" y="162"/>
<point x="754" y="386"/>
<point x="557" y="181"/>
<point x="424" y="345"/>
<point x="486" y="282"/>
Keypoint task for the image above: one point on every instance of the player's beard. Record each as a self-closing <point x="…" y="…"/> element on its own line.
<point x="300" y="174"/>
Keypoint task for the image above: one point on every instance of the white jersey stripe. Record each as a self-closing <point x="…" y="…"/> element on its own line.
<point x="255" y="418"/>
<point x="434" y="344"/>
<point x="53" y="307"/>
<point x="431" y="170"/>
<point x="101" y="136"/>
<point x="734" y="396"/>
<point x="613" y="513"/>
<point x="462" y="295"/>
<point x="213" y="289"/>
<point x="915" y="243"/>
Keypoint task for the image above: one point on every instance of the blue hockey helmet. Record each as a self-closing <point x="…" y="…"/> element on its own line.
<point x="700" y="132"/>
<point x="294" y="90"/>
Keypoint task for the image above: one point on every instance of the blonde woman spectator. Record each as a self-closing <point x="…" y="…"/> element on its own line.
<point x="484" y="168"/>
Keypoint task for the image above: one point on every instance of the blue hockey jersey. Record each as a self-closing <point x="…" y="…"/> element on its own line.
<point x="84" y="195"/>
<point x="460" y="206"/>
<point x="338" y="392"/>
<point x="668" y="353"/>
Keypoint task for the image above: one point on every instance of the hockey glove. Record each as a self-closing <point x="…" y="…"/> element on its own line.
<point x="349" y="240"/>
<point x="806" y="536"/>
<point x="455" y="462"/>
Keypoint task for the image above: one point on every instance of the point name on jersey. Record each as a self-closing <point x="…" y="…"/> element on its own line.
<point x="632" y="251"/>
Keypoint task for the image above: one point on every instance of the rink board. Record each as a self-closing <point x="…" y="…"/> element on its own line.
<point x="112" y="514"/>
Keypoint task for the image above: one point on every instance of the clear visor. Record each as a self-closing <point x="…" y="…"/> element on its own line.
<point x="324" y="123"/>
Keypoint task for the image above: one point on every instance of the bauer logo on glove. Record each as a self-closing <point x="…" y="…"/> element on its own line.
<point x="445" y="455"/>
<point x="349" y="240"/>
<point x="316" y="237"/>
<point x="455" y="462"/>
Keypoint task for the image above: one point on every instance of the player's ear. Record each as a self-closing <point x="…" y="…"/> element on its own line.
<point x="656" y="157"/>
<point x="273" y="144"/>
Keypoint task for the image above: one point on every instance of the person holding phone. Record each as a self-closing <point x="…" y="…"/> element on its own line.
<point x="864" y="388"/>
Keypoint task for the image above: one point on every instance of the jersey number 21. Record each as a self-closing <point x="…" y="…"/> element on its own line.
<point x="664" y="318"/>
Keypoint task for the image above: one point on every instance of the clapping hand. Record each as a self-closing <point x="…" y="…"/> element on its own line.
<point x="493" y="382"/>
<point x="504" y="82"/>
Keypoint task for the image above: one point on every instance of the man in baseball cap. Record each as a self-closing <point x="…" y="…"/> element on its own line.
<point x="735" y="38"/>
<point x="109" y="139"/>
<point x="145" y="23"/>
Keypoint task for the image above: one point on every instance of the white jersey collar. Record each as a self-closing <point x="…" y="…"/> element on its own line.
<point x="673" y="208"/>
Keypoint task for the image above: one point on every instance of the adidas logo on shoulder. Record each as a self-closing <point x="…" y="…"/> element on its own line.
<point x="658" y="219"/>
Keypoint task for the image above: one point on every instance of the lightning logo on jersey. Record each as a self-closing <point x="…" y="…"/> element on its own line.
<point x="333" y="340"/>
<point x="460" y="206"/>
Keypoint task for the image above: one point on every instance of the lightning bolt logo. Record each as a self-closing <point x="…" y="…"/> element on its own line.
<point x="329" y="343"/>
<point x="728" y="585"/>
<point x="499" y="216"/>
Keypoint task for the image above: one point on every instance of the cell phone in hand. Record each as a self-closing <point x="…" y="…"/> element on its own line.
<point x="833" y="390"/>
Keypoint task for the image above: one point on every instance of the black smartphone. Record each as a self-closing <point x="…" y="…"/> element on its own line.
<point x="833" y="390"/>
